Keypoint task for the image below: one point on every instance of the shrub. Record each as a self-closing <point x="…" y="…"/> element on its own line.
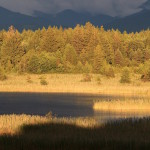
<point x="60" y="68"/>
<point x="79" y="67"/>
<point x="47" y="62"/>
<point x="125" y="77"/>
<point x="98" y="80"/>
<point x="29" y="79"/>
<point x="34" y="65"/>
<point x="110" y="73"/>
<point x="87" y="78"/>
<point x="146" y="76"/>
<point x="42" y="77"/>
<point x="2" y="75"/>
<point x="43" y="82"/>
<point x="87" y="68"/>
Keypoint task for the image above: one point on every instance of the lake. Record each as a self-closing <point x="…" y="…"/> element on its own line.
<point x="61" y="105"/>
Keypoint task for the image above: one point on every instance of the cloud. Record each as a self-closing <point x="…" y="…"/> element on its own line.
<point x="110" y="7"/>
<point x="22" y="6"/>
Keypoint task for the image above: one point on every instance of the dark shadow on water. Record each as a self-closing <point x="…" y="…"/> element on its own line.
<point x="124" y="135"/>
<point x="61" y="104"/>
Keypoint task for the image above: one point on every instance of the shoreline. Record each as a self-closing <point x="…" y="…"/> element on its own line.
<point x="96" y="93"/>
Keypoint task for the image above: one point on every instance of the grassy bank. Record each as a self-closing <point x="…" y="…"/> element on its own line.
<point x="63" y="135"/>
<point x="72" y="83"/>
<point x="123" y="106"/>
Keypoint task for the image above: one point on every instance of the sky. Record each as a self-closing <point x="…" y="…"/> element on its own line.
<point x="109" y="7"/>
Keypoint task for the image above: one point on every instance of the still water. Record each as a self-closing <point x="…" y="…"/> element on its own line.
<point x="61" y="105"/>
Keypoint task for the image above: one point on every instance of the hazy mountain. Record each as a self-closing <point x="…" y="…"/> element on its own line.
<point x="20" y="21"/>
<point x="66" y="18"/>
<point x="132" y="23"/>
<point x="70" y="18"/>
<point x="146" y="5"/>
<point x="135" y="22"/>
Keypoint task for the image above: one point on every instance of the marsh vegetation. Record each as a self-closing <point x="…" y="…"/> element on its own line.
<point x="123" y="106"/>
<point x="47" y="133"/>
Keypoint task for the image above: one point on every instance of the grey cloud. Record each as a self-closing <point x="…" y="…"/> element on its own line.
<point x="110" y="7"/>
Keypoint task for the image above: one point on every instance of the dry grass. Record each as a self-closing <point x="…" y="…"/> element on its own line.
<point x="71" y="83"/>
<point x="10" y="124"/>
<point x="124" y="106"/>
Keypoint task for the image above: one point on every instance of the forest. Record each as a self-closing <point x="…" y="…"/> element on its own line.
<point x="83" y="49"/>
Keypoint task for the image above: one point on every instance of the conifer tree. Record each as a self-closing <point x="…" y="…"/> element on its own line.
<point x="125" y="77"/>
<point x="12" y="49"/>
<point x="119" y="58"/>
<point x="99" y="59"/>
<point x="70" y="55"/>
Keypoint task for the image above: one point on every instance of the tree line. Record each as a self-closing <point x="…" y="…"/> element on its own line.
<point x="83" y="49"/>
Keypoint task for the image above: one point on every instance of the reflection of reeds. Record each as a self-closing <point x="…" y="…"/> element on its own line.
<point x="12" y="123"/>
<point x="71" y="83"/>
<point x="125" y="106"/>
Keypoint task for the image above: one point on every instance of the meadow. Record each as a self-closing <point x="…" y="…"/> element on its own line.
<point x="73" y="83"/>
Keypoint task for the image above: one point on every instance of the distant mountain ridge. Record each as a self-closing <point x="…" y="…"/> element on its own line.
<point x="70" y="18"/>
<point x="133" y="23"/>
<point x="146" y="5"/>
<point x="66" y="18"/>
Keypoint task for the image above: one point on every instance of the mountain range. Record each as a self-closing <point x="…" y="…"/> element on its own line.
<point x="70" y="18"/>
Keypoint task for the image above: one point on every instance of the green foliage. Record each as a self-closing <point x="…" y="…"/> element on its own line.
<point x="23" y="66"/>
<point x="42" y="63"/>
<point x="125" y="77"/>
<point x="47" y="63"/>
<point x="34" y="64"/>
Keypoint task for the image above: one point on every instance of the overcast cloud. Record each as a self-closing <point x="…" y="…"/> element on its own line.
<point x="109" y="7"/>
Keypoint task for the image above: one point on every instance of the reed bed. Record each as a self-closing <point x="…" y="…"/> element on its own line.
<point x="11" y="124"/>
<point x="121" y="135"/>
<point x="123" y="106"/>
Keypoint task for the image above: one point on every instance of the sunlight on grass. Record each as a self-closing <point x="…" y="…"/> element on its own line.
<point x="123" y="106"/>
<point x="71" y="83"/>
<point x="10" y="124"/>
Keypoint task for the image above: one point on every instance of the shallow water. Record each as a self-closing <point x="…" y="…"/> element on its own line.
<point x="61" y="105"/>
